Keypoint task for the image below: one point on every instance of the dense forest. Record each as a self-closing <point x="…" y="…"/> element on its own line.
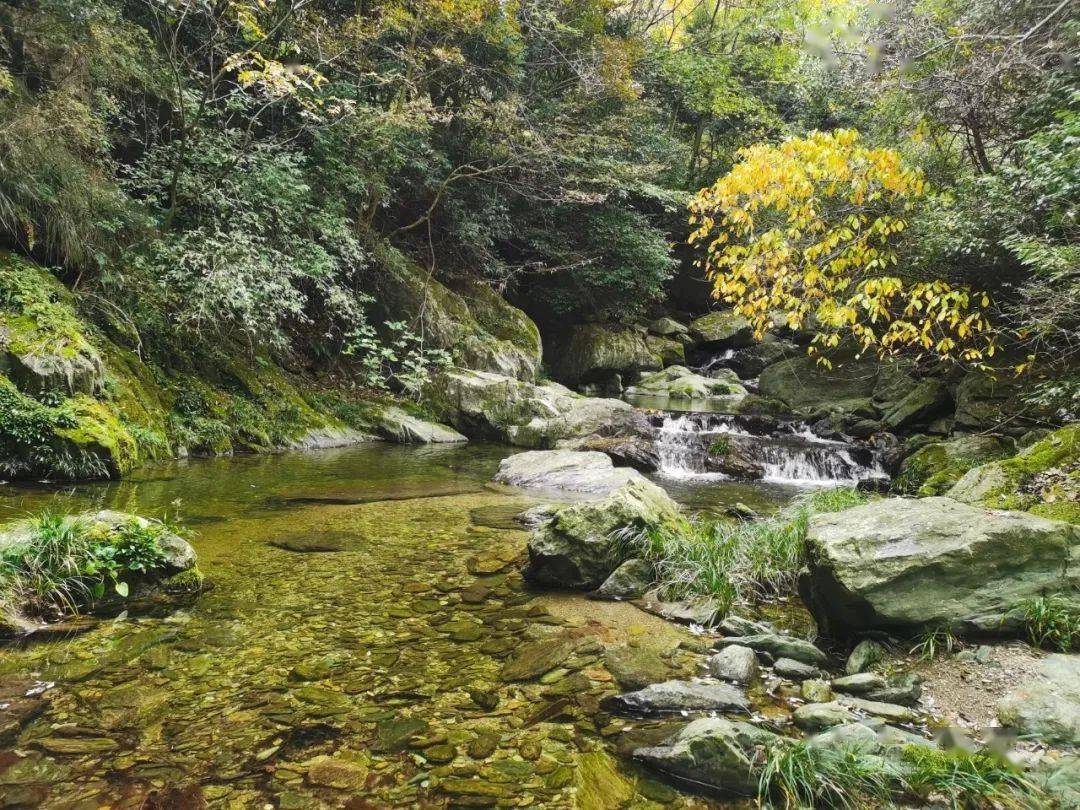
<point x="692" y="390"/>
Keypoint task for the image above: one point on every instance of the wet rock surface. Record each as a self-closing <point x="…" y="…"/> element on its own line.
<point x="574" y="470"/>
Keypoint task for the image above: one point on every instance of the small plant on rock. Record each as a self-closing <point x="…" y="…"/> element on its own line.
<point x="936" y="642"/>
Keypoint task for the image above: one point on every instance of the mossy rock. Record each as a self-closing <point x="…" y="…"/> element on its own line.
<point x="597" y="352"/>
<point x="1043" y="479"/>
<point x="803" y="385"/>
<point x="43" y="345"/>
<point x="935" y="467"/>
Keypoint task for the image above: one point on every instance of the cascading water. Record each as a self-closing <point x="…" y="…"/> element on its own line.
<point x="788" y="453"/>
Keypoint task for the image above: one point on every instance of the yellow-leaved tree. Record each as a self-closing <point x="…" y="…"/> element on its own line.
<point x="803" y="232"/>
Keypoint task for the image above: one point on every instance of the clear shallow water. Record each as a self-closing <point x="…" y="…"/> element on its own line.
<point x="387" y="655"/>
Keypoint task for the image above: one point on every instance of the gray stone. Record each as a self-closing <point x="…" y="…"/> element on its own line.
<point x="722" y="329"/>
<point x="404" y="428"/>
<point x="592" y="352"/>
<point x="733" y="625"/>
<point x="889" y="712"/>
<point x="903" y="689"/>
<point x="629" y="581"/>
<point x="679" y="382"/>
<point x="910" y="564"/>
<point x="668" y="327"/>
<point x="703" y="610"/>
<point x="734" y="663"/>
<point x="818" y="716"/>
<point x="801" y="384"/>
<point x="935" y="467"/>
<point x="848" y="737"/>
<point x="858" y="684"/>
<point x="816" y="691"/>
<point x="1047" y="707"/>
<point x="866" y="653"/>
<point x="577" y="548"/>
<point x="780" y="646"/>
<point x="796" y="670"/>
<point x="577" y="471"/>
<point x="713" y="751"/>
<point x="679" y="696"/>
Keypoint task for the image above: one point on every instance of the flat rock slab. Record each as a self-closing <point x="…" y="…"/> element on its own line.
<point x="533" y="659"/>
<point x="1047" y="708"/>
<point x="679" y="696"/>
<point x="573" y="470"/>
<point x="780" y="646"/>
<point x="313" y="542"/>
<point x="909" y="564"/>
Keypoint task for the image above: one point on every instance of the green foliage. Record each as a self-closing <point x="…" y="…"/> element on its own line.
<point x="720" y="447"/>
<point x="741" y="561"/>
<point x="1053" y="622"/>
<point x="978" y="779"/>
<point x="935" y="642"/>
<point x="399" y="361"/>
<point x="60" y="564"/>
<point x="800" y="775"/>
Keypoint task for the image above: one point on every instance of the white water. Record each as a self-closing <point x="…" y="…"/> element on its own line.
<point x="799" y="457"/>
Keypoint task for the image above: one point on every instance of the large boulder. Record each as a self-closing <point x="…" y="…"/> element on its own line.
<point x="1048" y="707"/>
<point x="475" y="325"/>
<point x="679" y="382"/>
<point x="579" y="546"/>
<point x="484" y="405"/>
<point x="905" y="399"/>
<point x="396" y="425"/>
<point x="984" y="402"/>
<point x="912" y="564"/>
<point x="803" y="385"/>
<point x="1043" y="479"/>
<point x="935" y="467"/>
<point x="671" y="352"/>
<point x="573" y="470"/>
<point x="752" y="360"/>
<point x="721" y="754"/>
<point x="723" y="329"/>
<point x="594" y="352"/>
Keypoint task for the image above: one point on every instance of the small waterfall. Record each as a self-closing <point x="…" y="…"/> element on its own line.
<point x="784" y="452"/>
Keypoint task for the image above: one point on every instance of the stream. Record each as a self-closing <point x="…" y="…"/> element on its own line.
<point x="364" y="603"/>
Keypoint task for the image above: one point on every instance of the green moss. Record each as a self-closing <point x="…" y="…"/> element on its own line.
<point x="186" y="582"/>
<point x="96" y="430"/>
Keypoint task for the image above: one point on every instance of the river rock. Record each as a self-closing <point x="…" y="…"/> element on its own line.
<point x="398" y="426"/>
<point x="700" y="610"/>
<point x="670" y="352"/>
<point x="594" y="352"/>
<point x="629" y="581"/>
<point x="572" y="470"/>
<point x="816" y="691"/>
<point x="668" y="327"/>
<point x="533" y="659"/>
<point x="818" y="716"/>
<point x="734" y="625"/>
<point x="909" y="564"/>
<point x="751" y="361"/>
<point x="904" y="689"/>
<point x="866" y="653"/>
<point x="679" y="696"/>
<point x="889" y="712"/>
<point x="848" y="737"/>
<point x="635" y="667"/>
<point x="340" y="774"/>
<point x="484" y="405"/>
<point x="679" y="382"/>
<point x="578" y="548"/>
<point x="638" y="452"/>
<point x="722" y="754"/>
<point x="1047" y="707"/>
<point x="906" y="399"/>
<point x="796" y="670"/>
<point x="734" y="663"/>
<point x="858" y="684"/>
<point x="721" y="330"/>
<point x="780" y="646"/>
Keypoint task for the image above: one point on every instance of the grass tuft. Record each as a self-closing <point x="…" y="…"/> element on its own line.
<point x="1053" y="623"/>
<point x="798" y="775"/>
<point x="733" y="561"/>
<point x="963" y="779"/>
<point x="935" y="642"/>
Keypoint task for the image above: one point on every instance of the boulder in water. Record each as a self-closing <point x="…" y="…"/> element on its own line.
<point x="913" y="564"/>
<point x="679" y="382"/>
<point x="629" y="581"/>
<point x="578" y="548"/>
<point x="625" y="451"/>
<point x="572" y="470"/>
<point x="404" y="428"/>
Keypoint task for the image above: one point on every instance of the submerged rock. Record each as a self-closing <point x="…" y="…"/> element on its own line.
<point x="1047" y="707"/>
<point x="578" y="548"/>
<point x="629" y="581"/>
<point x="682" y="696"/>
<point x="912" y="564"/>
<point x="721" y="754"/>
<point x="702" y="610"/>
<point x="572" y="470"/>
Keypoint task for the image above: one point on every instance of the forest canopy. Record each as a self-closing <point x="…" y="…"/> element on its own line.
<point x="239" y="168"/>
